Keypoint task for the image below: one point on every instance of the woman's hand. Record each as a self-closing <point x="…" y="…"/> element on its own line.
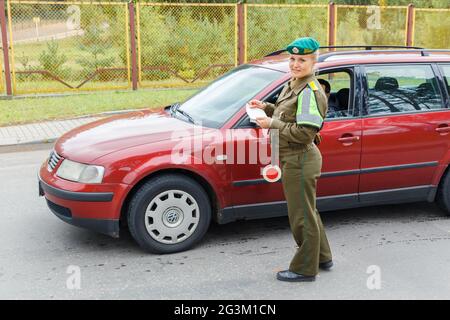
<point x="256" y="104"/>
<point x="264" y="122"/>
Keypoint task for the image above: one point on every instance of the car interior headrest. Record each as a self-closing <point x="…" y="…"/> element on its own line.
<point x="342" y="96"/>
<point x="386" y="83"/>
<point x="424" y="87"/>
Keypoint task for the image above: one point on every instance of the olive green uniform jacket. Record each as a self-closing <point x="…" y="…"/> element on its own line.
<point x="301" y="163"/>
<point x="294" y="137"/>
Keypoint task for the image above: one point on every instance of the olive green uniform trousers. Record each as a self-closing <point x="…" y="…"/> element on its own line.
<point x="300" y="172"/>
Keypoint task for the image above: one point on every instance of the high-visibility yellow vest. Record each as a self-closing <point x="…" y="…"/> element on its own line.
<point x="307" y="110"/>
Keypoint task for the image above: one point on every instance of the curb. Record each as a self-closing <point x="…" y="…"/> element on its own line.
<point x="28" y="143"/>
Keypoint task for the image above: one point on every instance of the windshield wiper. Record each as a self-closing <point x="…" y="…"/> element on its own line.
<point x="172" y="106"/>
<point x="176" y="108"/>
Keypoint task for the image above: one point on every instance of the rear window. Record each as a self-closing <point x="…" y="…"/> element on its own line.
<point x="402" y="88"/>
<point x="446" y="70"/>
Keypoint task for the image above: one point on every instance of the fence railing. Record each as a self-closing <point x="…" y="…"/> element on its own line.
<point x="67" y="46"/>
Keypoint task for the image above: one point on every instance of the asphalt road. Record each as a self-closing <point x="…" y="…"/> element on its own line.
<point x="386" y="252"/>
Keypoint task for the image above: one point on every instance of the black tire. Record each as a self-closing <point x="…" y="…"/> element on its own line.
<point x="443" y="193"/>
<point x="148" y="192"/>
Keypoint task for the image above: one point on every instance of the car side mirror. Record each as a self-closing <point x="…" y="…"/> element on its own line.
<point x="246" y="123"/>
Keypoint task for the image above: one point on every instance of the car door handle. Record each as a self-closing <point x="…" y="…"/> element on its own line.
<point x="443" y="128"/>
<point x="348" y="139"/>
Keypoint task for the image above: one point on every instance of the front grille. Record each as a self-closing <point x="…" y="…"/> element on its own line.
<point x="53" y="161"/>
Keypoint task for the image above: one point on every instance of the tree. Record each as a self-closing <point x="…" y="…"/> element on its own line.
<point x="95" y="43"/>
<point x="51" y="60"/>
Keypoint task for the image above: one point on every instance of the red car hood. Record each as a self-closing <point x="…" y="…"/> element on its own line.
<point x="93" y="140"/>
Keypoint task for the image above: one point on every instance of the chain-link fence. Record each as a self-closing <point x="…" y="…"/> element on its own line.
<point x="67" y="46"/>
<point x="60" y="46"/>
<point x="2" y="73"/>
<point x="360" y="25"/>
<point x="185" y="44"/>
<point x="271" y="27"/>
<point x="432" y="28"/>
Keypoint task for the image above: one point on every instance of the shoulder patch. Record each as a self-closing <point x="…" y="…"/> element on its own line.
<point x="313" y="86"/>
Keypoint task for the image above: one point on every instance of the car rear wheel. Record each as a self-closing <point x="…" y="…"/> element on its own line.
<point x="443" y="195"/>
<point x="169" y="213"/>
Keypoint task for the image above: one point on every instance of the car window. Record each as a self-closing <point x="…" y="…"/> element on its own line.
<point x="339" y="102"/>
<point x="221" y="99"/>
<point x="337" y="86"/>
<point x="446" y="70"/>
<point x="245" y="122"/>
<point x="402" y="88"/>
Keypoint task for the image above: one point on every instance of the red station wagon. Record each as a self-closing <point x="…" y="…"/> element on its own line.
<point x="386" y="139"/>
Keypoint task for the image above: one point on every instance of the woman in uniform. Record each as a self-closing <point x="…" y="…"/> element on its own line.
<point x="298" y="116"/>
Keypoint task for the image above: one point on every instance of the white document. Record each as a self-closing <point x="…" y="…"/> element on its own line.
<point x="254" y="113"/>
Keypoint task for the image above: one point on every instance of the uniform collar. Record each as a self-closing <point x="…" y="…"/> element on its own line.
<point x="297" y="84"/>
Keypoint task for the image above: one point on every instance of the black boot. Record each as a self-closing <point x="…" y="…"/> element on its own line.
<point x="326" y="265"/>
<point x="290" y="276"/>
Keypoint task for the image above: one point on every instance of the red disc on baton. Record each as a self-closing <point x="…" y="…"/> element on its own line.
<point x="271" y="173"/>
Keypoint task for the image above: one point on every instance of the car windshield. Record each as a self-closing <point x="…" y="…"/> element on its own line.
<point x="220" y="100"/>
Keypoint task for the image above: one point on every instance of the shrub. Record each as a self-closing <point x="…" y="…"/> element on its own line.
<point x="52" y="61"/>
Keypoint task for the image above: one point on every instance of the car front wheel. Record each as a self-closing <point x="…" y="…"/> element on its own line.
<point x="169" y="213"/>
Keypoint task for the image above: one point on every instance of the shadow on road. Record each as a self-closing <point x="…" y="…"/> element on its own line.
<point x="245" y="230"/>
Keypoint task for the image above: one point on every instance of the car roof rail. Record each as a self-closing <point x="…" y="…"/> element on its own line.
<point x="275" y="53"/>
<point x="370" y="47"/>
<point x="366" y="47"/>
<point x="423" y="52"/>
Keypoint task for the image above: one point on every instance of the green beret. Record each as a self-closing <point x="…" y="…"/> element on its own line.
<point x="303" y="46"/>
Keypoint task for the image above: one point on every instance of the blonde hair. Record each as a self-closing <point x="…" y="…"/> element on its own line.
<point x="316" y="59"/>
<point x="316" y="55"/>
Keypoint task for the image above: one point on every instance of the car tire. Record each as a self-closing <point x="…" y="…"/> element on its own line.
<point x="169" y="213"/>
<point x="443" y="193"/>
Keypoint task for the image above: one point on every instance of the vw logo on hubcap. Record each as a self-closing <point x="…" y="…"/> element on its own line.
<point x="172" y="217"/>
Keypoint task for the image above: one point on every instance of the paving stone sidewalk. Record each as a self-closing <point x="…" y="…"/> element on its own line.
<point x="41" y="132"/>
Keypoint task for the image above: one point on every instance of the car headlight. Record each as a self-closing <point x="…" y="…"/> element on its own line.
<point x="79" y="172"/>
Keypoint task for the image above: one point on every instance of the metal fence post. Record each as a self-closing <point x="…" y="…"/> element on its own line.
<point x="5" y="48"/>
<point x="410" y="25"/>
<point x="331" y="24"/>
<point x="134" y="70"/>
<point x="241" y="33"/>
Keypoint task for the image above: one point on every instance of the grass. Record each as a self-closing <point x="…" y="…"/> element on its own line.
<point x="42" y="86"/>
<point x="36" y="109"/>
<point x="27" y="54"/>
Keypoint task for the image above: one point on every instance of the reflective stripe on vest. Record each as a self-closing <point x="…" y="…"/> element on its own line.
<point x="307" y="110"/>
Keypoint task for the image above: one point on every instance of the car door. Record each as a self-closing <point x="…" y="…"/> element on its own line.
<point x="341" y="147"/>
<point x="341" y="150"/>
<point x="444" y="70"/>
<point x="403" y="135"/>
<point x="253" y="197"/>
